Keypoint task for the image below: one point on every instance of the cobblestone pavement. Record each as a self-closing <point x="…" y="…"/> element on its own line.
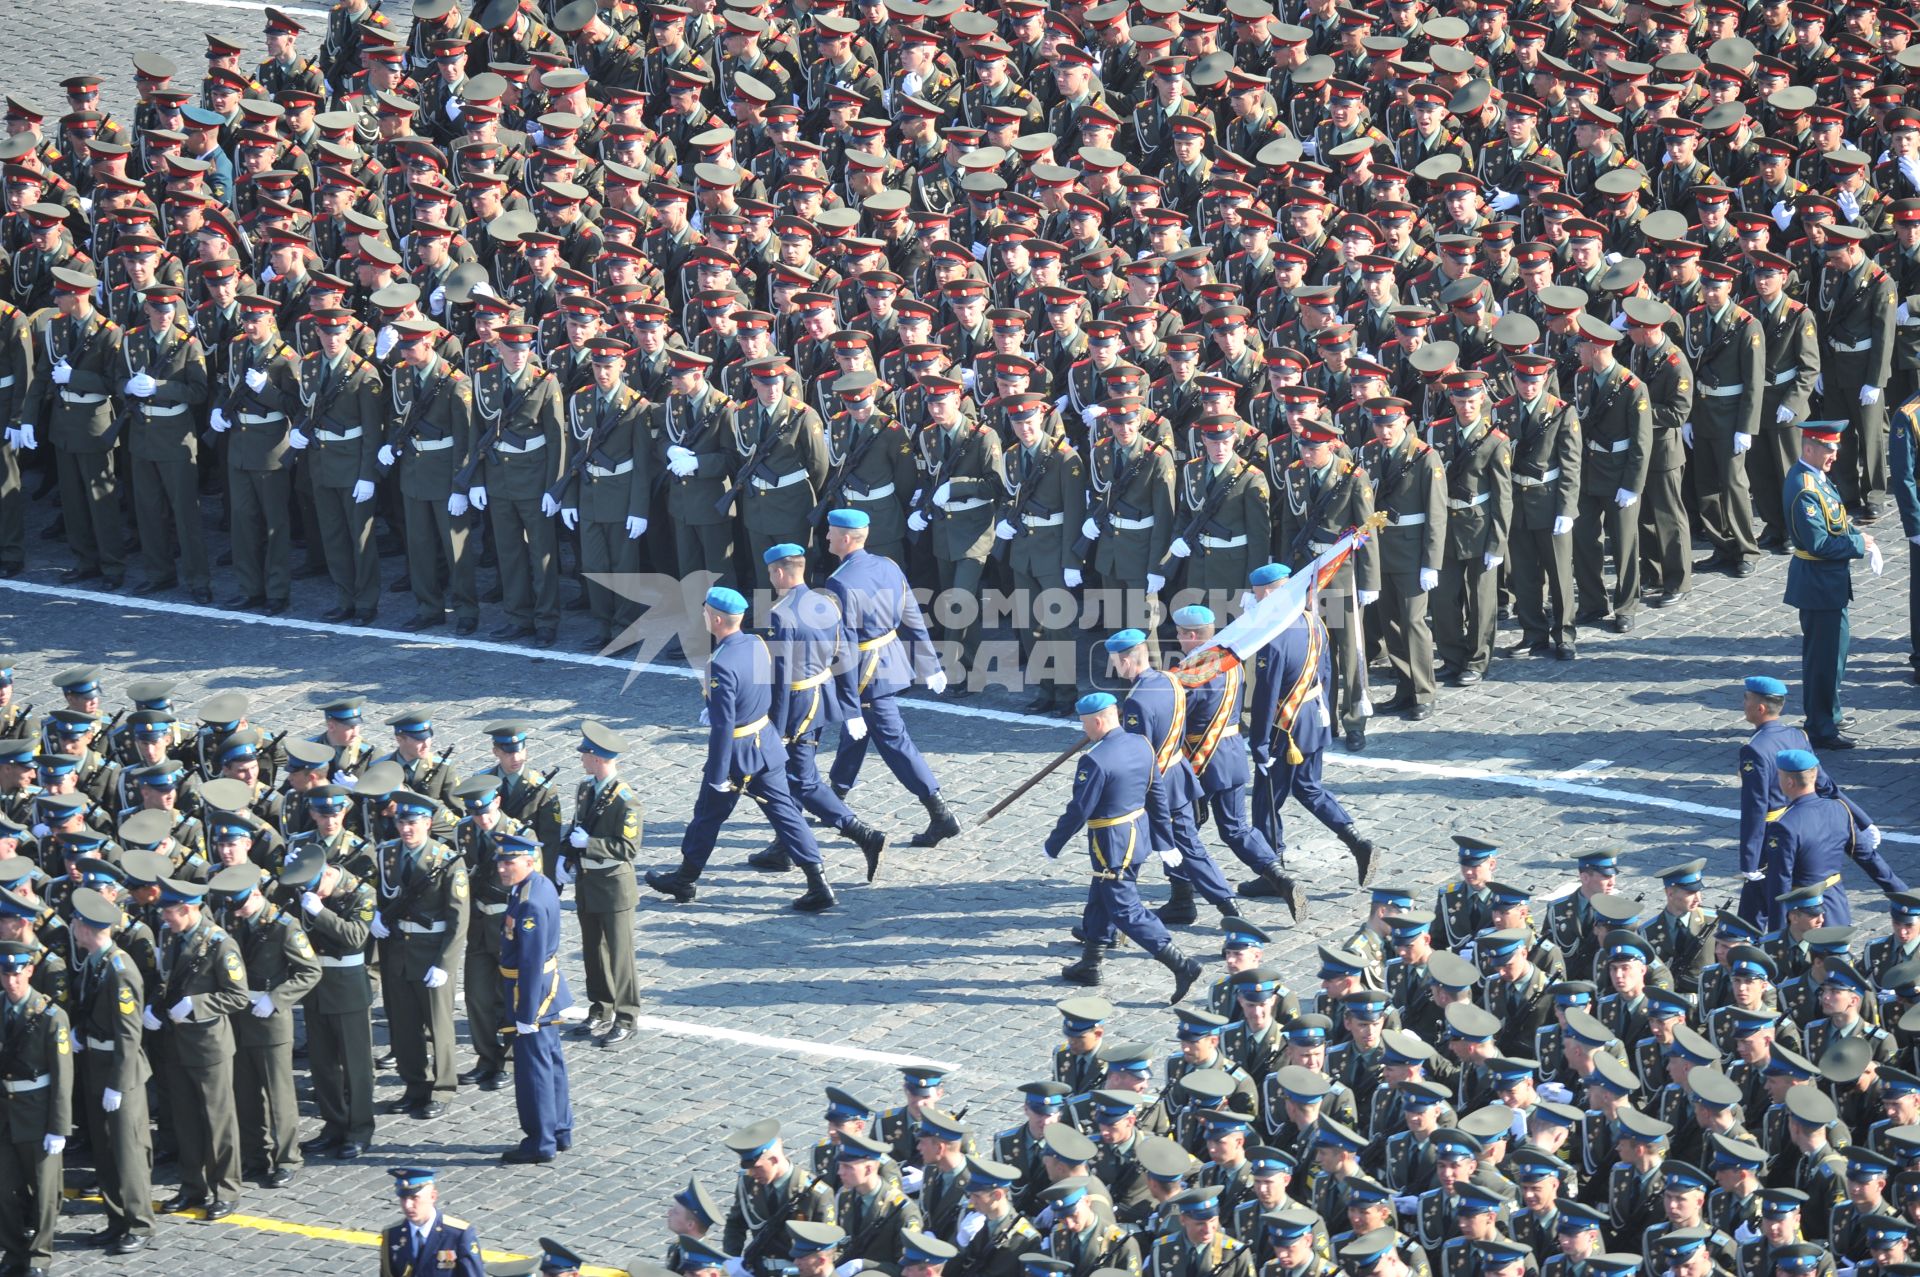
<point x="952" y="954"/>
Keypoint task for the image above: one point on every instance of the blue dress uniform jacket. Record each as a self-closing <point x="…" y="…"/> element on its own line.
<point x="1111" y="789"/>
<point x="885" y="621"/>
<point x="741" y="740"/>
<point x="1156" y="710"/>
<point x="452" y="1247"/>
<point x="1225" y="767"/>
<point x="1824" y="542"/>
<point x="1277" y="670"/>
<point x="1762" y="802"/>
<point x="815" y="673"/>
<point x="1903" y="480"/>
<point x="534" y="988"/>
<point x="1812" y="842"/>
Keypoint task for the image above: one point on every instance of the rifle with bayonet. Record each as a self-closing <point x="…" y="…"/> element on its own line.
<point x="755" y="459"/>
<point x="1201" y="517"/>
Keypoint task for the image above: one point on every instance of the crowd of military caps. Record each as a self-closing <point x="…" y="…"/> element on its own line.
<point x="1119" y="297"/>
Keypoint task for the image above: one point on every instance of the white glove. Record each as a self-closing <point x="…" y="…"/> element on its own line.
<point x="1180" y="549"/>
<point x="937" y="683"/>
<point x="968" y="379"/>
<point x="1741" y="442"/>
<point x="1429" y="578"/>
<point x="13" y="437"/>
<point x="62" y="373"/>
<point x="262" y="1006"/>
<point x="1900" y="313"/>
<point x="1782" y="214"/>
<point x="268" y="274"/>
<point x="970" y="1224"/>
<point x="1090" y="414"/>
<point x="1849" y="204"/>
<point x="636" y="527"/>
<point x="911" y="1178"/>
<point x="1155" y="583"/>
<point x="943" y="495"/>
<point x="1613" y="259"/>
<point x="1310" y="146"/>
<point x="181" y="1010"/>
<point x="41" y="829"/>
<point x="380" y="931"/>
<point x="23" y="437"/>
<point x="1911" y="168"/>
<point x="1620" y="322"/>
<point x="1490" y="560"/>
<point x="385" y="456"/>
<point x="979" y="251"/>
<point x="549" y="504"/>
<point x="53" y="1144"/>
<point x="1782" y="415"/>
<point x="563" y="874"/>
<point x="149" y="1019"/>
<point x="1819" y="383"/>
<point x="851" y="1267"/>
<point x="310" y="902"/>
<point x="434" y="978"/>
<point x="437" y="300"/>
<point x="1624" y="498"/>
<point x="1869" y="395"/>
<point x="1004" y="531"/>
<point x="677" y="457"/>
<point x="1368" y="597"/>
<point x="1071" y="576"/>
<point x="1755" y="875"/>
<point x="917" y="521"/>
<point x="456" y="505"/>
<point x="340" y="778"/>
<point x="256" y="379"/>
<point x="110" y="1100"/>
<point x="297" y="440"/>
<point x="141" y="386"/>
<point x="1504" y="200"/>
<point x="477" y="496"/>
<point x="363" y="491"/>
<point x="577" y="838"/>
<point x="536" y="134"/>
<point x="570" y="517"/>
<point x="1562" y="524"/>
<point x="1171" y="859"/>
<point x="1914" y="539"/>
<point x="1090" y="529"/>
<point x="453" y="108"/>
<point x="721" y="789"/>
<point x="383" y="342"/>
<point x="1872" y="834"/>
<point x="1686" y="433"/>
<point x="855" y="728"/>
<point x="1060" y="404"/>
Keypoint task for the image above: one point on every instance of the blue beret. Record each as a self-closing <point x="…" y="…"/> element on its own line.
<point x="848" y="519"/>
<point x="1796" y="760"/>
<point x="1094" y="702"/>
<point x="722" y="599"/>
<point x="1270" y="574"/>
<point x="785" y="550"/>
<point x="1193" y="615"/>
<point x="1126" y="640"/>
<point x="1765" y="685"/>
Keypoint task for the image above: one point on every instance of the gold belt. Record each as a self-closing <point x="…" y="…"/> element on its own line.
<point x="812" y="680"/>
<point x="1776" y="813"/>
<point x="750" y="729"/>
<point x="1108" y="822"/>
<point x="513" y="973"/>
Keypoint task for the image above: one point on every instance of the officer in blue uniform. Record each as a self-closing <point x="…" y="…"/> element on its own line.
<point x="815" y="682"/>
<point x="1111" y="789"/>
<point x="884" y="618"/>
<point x="425" y="1242"/>
<point x="1820" y="578"/>
<point x="744" y="754"/>
<point x="1292" y="727"/>
<point x="1761" y="801"/>
<point x="1811" y="842"/>
<point x="1903" y="476"/>
<point x="1217" y="753"/>
<point x="533" y="993"/>
<point x="1156" y="708"/>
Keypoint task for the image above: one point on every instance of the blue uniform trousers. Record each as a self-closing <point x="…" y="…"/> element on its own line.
<point x="1197" y="867"/>
<point x="887" y="733"/>
<point x="1114" y="901"/>
<point x="803" y="779"/>
<point x="1299" y="780"/>
<point x="1229" y="808"/>
<point x="769" y="789"/>
<point x="1825" y="635"/>
<point x="540" y="1092"/>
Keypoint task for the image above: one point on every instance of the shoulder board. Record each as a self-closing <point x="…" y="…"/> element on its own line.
<point x="312" y="355"/>
<point x="454" y="1221"/>
<point x="620" y="790"/>
<point x="216" y="935"/>
<point x="119" y="961"/>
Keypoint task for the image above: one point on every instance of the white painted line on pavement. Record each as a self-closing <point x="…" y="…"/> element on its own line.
<point x="1364" y="762"/>
<point x="320" y="14"/>
<point x="1584" y="769"/>
<point x="791" y="1046"/>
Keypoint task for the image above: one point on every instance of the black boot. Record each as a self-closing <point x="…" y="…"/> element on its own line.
<point x="672" y="882"/>
<point x="871" y="842"/>
<point x="1362" y="850"/>
<point x="943" y="826"/>
<point x="1080" y="937"/>
<point x="1185" y="971"/>
<point x="1179" y="909"/>
<point x="1289" y="891"/>
<point x="771" y="859"/>
<point x="819" y="895"/>
<point x="1087" y="970"/>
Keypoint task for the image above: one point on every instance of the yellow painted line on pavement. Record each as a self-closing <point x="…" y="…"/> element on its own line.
<point x="361" y="1237"/>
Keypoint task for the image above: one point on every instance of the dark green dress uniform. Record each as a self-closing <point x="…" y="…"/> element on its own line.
<point x="1729" y="359"/>
<point x="342" y="410"/>
<point x="431" y="434"/>
<point x="1410" y="488"/>
<point x="281" y="969"/>
<point x="700" y="424"/>
<point x="1820" y="585"/>
<point x="202" y="969"/>
<point x="1131" y="503"/>
<point x="1099" y="1245"/>
<point x="1044" y="504"/>
<point x="1855" y="311"/>
<point x="422" y="896"/>
<point x="1478" y="474"/>
<point x="481" y="969"/>
<point x="1545" y="439"/>
<point x="959" y="481"/>
<point x="871" y="469"/>
<point x="780" y="464"/>
<point x="1791" y="368"/>
<point x="610" y="484"/>
<point x="1221" y="548"/>
<point x="36" y="1065"/>
<point x="163" y="443"/>
<point x="17" y="390"/>
<point x="1666" y="543"/>
<point x="605" y="894"/>
<point x="108" y="992"/>
<point x="338" y="1011"/>
<point x="524" y="460"/>
<point x="259" y="478"/>
<point x="1617" y="419"/>
<point x="875" y="1221"/>
<point x="78" y="419"/>
<point x="1314" y="510"/>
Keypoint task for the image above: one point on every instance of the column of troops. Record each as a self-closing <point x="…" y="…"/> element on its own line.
<point x="1127" y="298"/>
<point x="173" y="889"/>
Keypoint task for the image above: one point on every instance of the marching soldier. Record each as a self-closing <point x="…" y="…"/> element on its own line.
<point x="533" y="993"/>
